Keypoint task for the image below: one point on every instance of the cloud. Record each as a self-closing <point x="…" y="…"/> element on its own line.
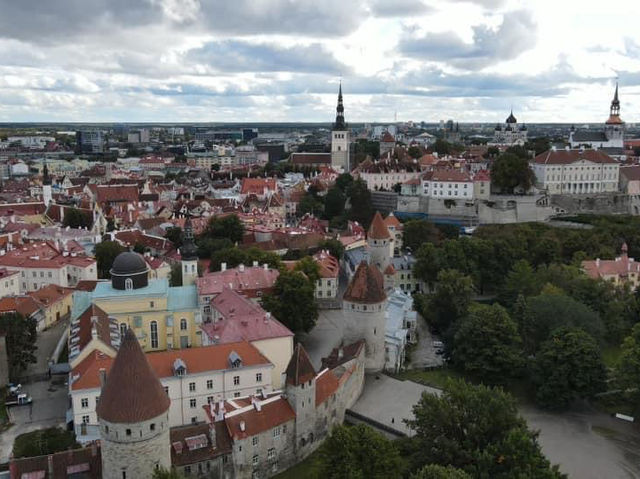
<point x="243" y="56"/>
<point x="399" y="8"/>
<point x="516" y="34"/>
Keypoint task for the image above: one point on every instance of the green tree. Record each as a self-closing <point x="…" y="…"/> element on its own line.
<point x="44" y="441"/>
<point x="435" y="471"/>
<point x="487" y="345"/>
<point x="208" y="246"/>
<point x="309" y="267"/>
<point x="334" y="246"/>
<point x="358" y="452"/>
<point x="175" y="277"/>
<point x="476" y="429"/>
<point x="334" y="203"/>
<point x="417" y="232"/>
<point x="162" y="473"/>
<point x="344" y="181"/>
<point x="525" y="320"/>
<point x="293" y="302"/>
<point x="521" y="280"/>
<point x="627" y="373"/>
<point x="75" y="218"/>
<point x="106" y="252"/>
<point x="442" y="147"/>
<point x="567" y="367"/>
<point x="229" y="227"/>
<point x="451" y="299"/>
<point x="20" y="336"/>
<point x="360" y="200"/>
<point x="429" y="262"/>
<point x="309" y="204"/>
<point x="174" y="234"/>
<point x="509" y="172"/>
<point x="232" y="257"/>
<point x="414" y="152"/>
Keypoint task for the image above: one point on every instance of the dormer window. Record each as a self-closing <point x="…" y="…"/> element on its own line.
<point x="235" y="361"/>
<point x="128" y="284"/>
<point x="179" y="367"/>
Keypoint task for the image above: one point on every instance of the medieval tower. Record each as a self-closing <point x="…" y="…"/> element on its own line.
<point x="614" y="126"/>
<point x="46" y="186"/>
<point x="133" y="413"/>
<point x="340" y="139"/>
<point x="364" y="305"/>
<point x="379" y="243"/>
<point x="301" y="394"/>
<point x="189" y="254"/>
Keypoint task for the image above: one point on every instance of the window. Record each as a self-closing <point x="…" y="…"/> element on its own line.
<point x="183" y="324"/>
<point x="152" y="427"/>
<point x="254" y="440"/>
<point x="209" y="383"/>
<point x="128" y="284"/>
<point x="128" y="432"/>
<point x="166" y="390"/>
<point x="84" y="402"/>
<point x="258" y="377"/>
<point x="236" y="395"/>
<point x="236" y="380"/>
<point x="255" y="460"/>
<point x="85" y="419"/>
<point x="187" y="470"/>
<point x="271" y="453"/>
<point x="209" y="399"/>
<point x="154" y="334"/>
<point x="151" y="304"/>
<point x="192" y="387"/>
<point x="276" y="432"/>
<point x="192" y="403"/>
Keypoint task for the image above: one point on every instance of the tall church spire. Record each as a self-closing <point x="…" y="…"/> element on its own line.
<point x="340" y="124"/>
<point x="188" y="250"/>
<point x="615" y="104"/>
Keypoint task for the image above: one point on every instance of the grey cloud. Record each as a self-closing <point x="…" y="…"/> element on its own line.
<point x="242" y="56"/>
<point x="489" y="4"/>
<point x="399" y="8"/>
<point x="516" y="34"/>
<point x="631" y="48"/>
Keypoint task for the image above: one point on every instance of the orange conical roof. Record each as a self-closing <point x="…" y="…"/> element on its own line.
<point x="133" y="393"/>
<point x="378" y="230"/>
<point x="366" y="286"/>
<point x="300" y="370"/>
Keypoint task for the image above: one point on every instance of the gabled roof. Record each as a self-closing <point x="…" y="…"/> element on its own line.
<point x="387" y="138"/>
<point x="133" y="392"/>
<point x="378" y="230"/>
<point x="366" y="286"/>
<point x="300" y="370"/>
<point x="566" y="157"/>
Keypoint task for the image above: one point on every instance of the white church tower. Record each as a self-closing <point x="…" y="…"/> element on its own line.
<point x="340" y="139"/>
<point x="614" y="126"/>
<point x="46" y="186"/>
<point x="189" y="255"/>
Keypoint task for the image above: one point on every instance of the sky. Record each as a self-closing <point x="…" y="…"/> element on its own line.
<point x="282" y="60"/>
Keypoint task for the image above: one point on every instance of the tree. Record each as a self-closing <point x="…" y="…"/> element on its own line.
<point x="442" y="147"/>
<point x="75" y="218"/>
<point x="435" y="471"/>
<point x="568" y="366"/>
<point x="360" y="199"/>
<point x="309" y="267"/>
<point x="417" y="232"/>
<point x="521" y="280"/>
<point x="309" y="204"/>
<point x="476" y="429"/>
<point x="344" y="182"/>
<point x="175" y="277"/>
<point x="487" y="345"/>
<point x="20" y="336"/>
<point x="139" y="248"/>
<point x="414" y="152"/>
<point x="451" y="299"/>
<point x="174" y="234"/>
<point x="293" y="301"/>
<point x="229" y="227"/>
<point x="509" y="172"/>
<point x="429" y="262"/>
<point x="162" y="473"/>
<point x="358" y="452"/>
<point x="106" y="252"/>
<point x="525" y="320"/>
<point x="627" y="373"/>
<point x="334" y="203"/>
<point x="334" y="246"/>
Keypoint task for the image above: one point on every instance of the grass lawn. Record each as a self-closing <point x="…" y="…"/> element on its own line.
<point x="44" y="441"/>
<point x="307" y="469"/>
<point x="436" y="378"/>
<point x="611" y="356"/>
<point x="3" y="410"/>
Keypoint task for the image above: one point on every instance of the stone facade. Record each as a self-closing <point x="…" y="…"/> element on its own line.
<point x="367" y="321"/>
<point x="132" y="451"/>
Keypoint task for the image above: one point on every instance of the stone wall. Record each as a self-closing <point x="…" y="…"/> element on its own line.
<point x="603" y="203"/>
<point x="4" y="362"/>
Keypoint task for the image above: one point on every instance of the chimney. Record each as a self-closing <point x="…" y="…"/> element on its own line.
<point x="257" y="405"/>
<point x="340" y="353"/>
<point x="598" y="262"/>
<point x="265" y="266"/>
<point x="267" y="317"/>
<point x="223" y="266"/>
<point x="255" y="264"/>
<point x="241" y="268"/>
<point x="103" y="377"/>
<point x="242" y="426"/>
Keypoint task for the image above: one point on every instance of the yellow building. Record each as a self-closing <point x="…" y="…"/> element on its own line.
<point x="163" y="317"/>
<point x="55" y="302"/>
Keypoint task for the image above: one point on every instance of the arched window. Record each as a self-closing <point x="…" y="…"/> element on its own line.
<point x="154" y="334"/>
<point x="123" y="329"/>
<point x="183" y="324"/>
<point x="128" y="284"/>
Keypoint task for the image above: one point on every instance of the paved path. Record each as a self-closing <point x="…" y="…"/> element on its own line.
<point x="47" y="341"/>
<point x="424" y="355"/>
<point x="326" y="335"/>
<point x="389" y="401"/>
<point x="49" y="407"/>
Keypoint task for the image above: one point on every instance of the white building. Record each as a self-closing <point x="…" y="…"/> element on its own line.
<point x="385" y="174"/>
<point x="447" y="185"/>
<point x="509" y="133"/>
<point x="611" y="136"/>
<point x="400" y="329"/>
<point x="566" y="172"/>
<point x="191" y="377"/>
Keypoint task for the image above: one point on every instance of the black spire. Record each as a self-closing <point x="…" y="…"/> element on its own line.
<point x="46" y="179"/>
<point x="340" y="124"/>
<point x="188" y="250"/>
<point x="615" y="104"/>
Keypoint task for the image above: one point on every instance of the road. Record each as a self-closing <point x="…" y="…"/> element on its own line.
<point x="46" y="342"/>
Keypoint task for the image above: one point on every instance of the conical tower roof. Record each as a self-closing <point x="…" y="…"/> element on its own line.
<point x="378" y="230"/>
<point x="133" y="393"/>
<point x="366" y="286"/>
<point x="300" y="370"/>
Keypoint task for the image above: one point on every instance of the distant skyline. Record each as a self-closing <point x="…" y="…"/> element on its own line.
<point x="281" y="60"/>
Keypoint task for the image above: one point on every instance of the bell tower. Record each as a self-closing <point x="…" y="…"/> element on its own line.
<point x="189" y="254"/>
<point x="614" y="127"/>
<point x="340" y="138"/>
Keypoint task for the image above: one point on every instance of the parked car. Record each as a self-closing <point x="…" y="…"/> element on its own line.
<point x="18" y="400"/>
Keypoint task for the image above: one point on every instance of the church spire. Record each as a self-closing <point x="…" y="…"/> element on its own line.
<point x="188" y="250"/>
<point x="46" y="179"/>
<point x="615" y="104"/>
<point x="340" y="124"/>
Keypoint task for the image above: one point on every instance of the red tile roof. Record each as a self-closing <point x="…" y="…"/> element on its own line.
<point x="329" y="267"/>
<point x="85" y="327"/>
<point x="250" y="282"/>
<point x="446" y="175"/>
<point x="257" y="185"/>
<point x="366" y="286"/>
<point x="300" y="370"/>
<point x="387" y="138"/>
<point x="631" y="173"/>
<point x="273" y="412"/>
<point x="565" y="157"/>
<point x="378" y="230"/>
<point x="392" y="222"/>
<point x="85" y="462"/>
<point x="25" y="305"/>
<point x="326" y="384"/>
<point x="50" y="294"/>
<point x="183" y="436"/>
<point x="133" y="393"/>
